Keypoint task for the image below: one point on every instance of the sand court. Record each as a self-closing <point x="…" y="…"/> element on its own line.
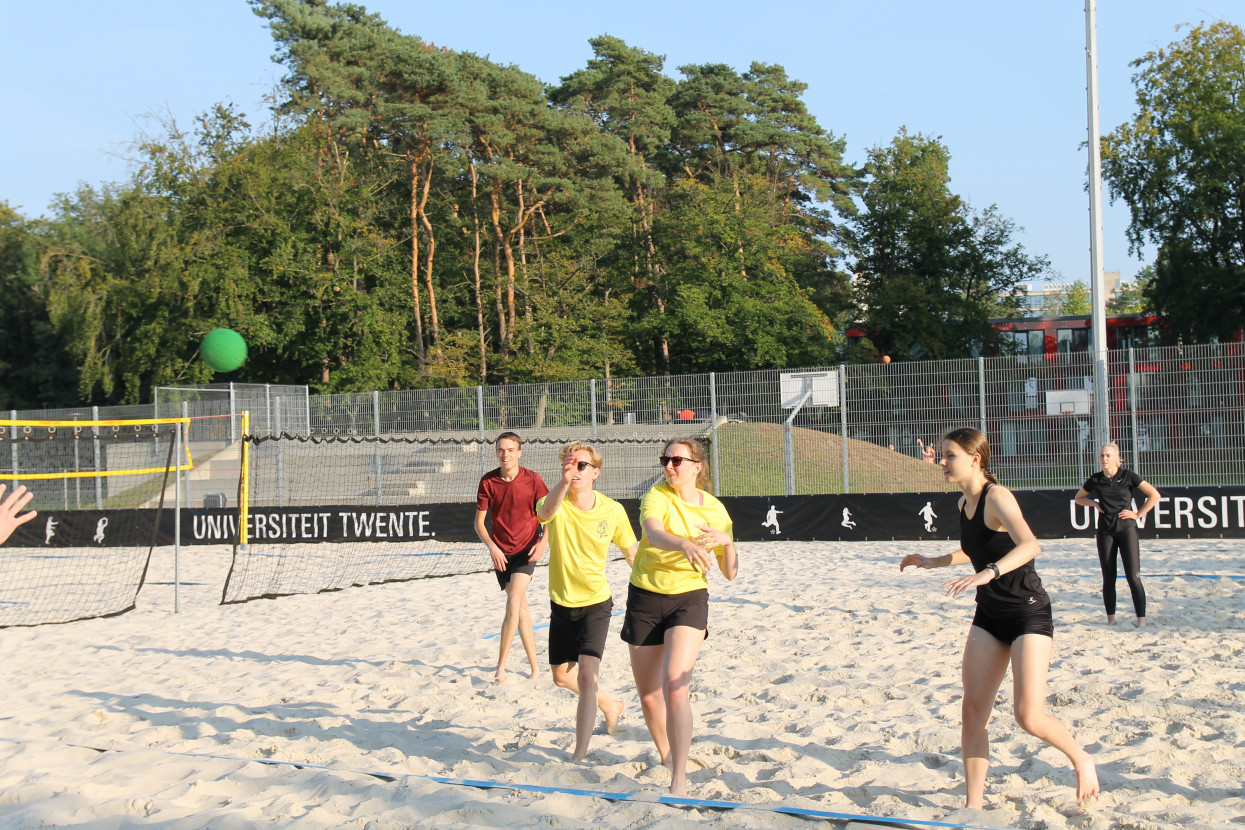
<point x="830" y="683"/>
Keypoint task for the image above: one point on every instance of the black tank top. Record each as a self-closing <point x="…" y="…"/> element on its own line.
<point x="1013" y="592"/>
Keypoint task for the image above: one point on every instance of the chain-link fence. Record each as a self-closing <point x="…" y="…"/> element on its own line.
<point x="1176" y="412"/>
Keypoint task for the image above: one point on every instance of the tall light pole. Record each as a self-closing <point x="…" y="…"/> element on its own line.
<point x="1098" y="321"/>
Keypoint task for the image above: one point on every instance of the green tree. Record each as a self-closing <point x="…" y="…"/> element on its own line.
<point x="1130" y="297"/>
<point x="35" y="369"/>
<point x="1074" y="301"/>
<point x="931" y="272"/>
<point x="1179" y="165"/>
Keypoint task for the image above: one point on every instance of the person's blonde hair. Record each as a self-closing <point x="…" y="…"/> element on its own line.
<point x="973" y="442"/>
<point x="698" y="451"/>
<point x="597" y="460"/>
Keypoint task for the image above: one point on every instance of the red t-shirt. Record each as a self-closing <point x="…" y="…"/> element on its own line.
<point x="512" y="508"/>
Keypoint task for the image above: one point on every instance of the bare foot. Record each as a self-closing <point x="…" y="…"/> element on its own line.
<point x="678" y="788"/>
<point x="612" y="714"/>
<point x="534" y="673"/>
<point x="1110" y="619"/>
<point x="500" y="676"/>
<point x="1141" y="622"/>
<point x="576" y="757"/>
<point x="1086" y="778"/>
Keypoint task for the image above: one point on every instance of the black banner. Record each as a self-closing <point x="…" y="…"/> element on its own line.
<point x="1183" y="512"/>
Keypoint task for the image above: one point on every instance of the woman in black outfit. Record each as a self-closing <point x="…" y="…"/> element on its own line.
<point x="1111" y="493"/>
<point x="1013" y="623"/>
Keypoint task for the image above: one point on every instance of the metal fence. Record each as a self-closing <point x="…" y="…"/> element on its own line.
<point x="1177" y="413"/>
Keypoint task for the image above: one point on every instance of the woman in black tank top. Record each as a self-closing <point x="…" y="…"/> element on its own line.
<point x="1013" y="620"/>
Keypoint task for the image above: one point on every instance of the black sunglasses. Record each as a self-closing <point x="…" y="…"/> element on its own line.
<point x="676" y="460"/>
<point x="580" y="465"/>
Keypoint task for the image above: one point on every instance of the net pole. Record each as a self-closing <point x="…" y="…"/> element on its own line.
<point x="13" y="446"/>
<point x="177" y="523"/>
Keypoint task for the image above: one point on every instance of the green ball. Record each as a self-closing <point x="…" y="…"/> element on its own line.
<point x="223" y="349"/>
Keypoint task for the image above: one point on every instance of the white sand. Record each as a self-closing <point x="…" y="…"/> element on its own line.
<point x="829" y="682"/>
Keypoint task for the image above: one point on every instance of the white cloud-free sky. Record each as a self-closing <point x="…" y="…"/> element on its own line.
<point x="1002" y="84"/>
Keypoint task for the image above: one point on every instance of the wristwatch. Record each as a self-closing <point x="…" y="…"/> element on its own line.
<point x="994" y="568"/>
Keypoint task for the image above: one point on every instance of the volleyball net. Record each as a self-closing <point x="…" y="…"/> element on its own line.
<point x="105" y="492"/>
<point x="328" y="512"/>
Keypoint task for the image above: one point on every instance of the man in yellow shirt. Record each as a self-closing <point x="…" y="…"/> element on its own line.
<point x="580" y="524"/>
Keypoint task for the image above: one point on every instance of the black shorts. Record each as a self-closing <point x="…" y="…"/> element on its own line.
<point x="520" y="563"/>
<point x="1006" y="629"/>
<point x="578" y="631"/>
<point x="650" y="615"/>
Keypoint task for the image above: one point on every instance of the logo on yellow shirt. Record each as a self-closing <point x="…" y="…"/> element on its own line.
<point x="603" y="530"/>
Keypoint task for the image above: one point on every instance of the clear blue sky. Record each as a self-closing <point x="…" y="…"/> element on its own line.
<point x="1003" y="84"/>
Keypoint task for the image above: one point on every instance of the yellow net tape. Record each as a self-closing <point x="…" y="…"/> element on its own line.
<point x="189" y="464"/>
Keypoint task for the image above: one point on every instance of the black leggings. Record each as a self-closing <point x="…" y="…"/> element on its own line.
<point x="1124" y="540"/>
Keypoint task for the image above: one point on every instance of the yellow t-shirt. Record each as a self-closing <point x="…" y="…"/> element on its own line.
<point x="579" y="544"/>
<point x="668" y="571"/>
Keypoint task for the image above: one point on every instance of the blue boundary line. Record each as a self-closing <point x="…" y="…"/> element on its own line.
<point x="608" y="795"/>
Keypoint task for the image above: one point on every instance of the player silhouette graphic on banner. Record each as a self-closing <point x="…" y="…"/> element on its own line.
<point x="928" y="514"/>
<point x="771" y="520"/>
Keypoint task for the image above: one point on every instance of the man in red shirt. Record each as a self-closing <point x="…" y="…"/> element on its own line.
<point x="514" y="541"/>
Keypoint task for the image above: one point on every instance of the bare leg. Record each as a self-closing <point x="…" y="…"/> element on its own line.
<point x="518" y="618"/>
<point x="646" y="668"/>
<point x="985" y="663"/>
<point x="526" y="634"/>
<point x="682" y="648"/>
<point x="1030" y="664"/>
<point x="574" y="677"/>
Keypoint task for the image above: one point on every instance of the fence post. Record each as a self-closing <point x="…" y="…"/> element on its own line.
<point x="843" y="422"/>
<point x="186" y="443"/>
<point x="376" y="446"/>
<point x="1132" y="409"/>
<point x="981" y="391"/>
<point x="99" y="481"/>
<point x="280" y="461"/>
<point x="233" y="434"/>
<point x="713" y="430"/>
<point x="592" y="393"/>
<point x="480" y="421"/>
<point x="268" y="407"/>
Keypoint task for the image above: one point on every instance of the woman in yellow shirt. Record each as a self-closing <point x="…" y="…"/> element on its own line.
<point x="685" y="529"/>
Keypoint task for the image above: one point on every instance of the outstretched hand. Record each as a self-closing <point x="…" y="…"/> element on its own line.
<point x="569" y="467"/>
<point x="916" y="560"/>
<point x="10" y="509"/>
<point x="958" y="586"/>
